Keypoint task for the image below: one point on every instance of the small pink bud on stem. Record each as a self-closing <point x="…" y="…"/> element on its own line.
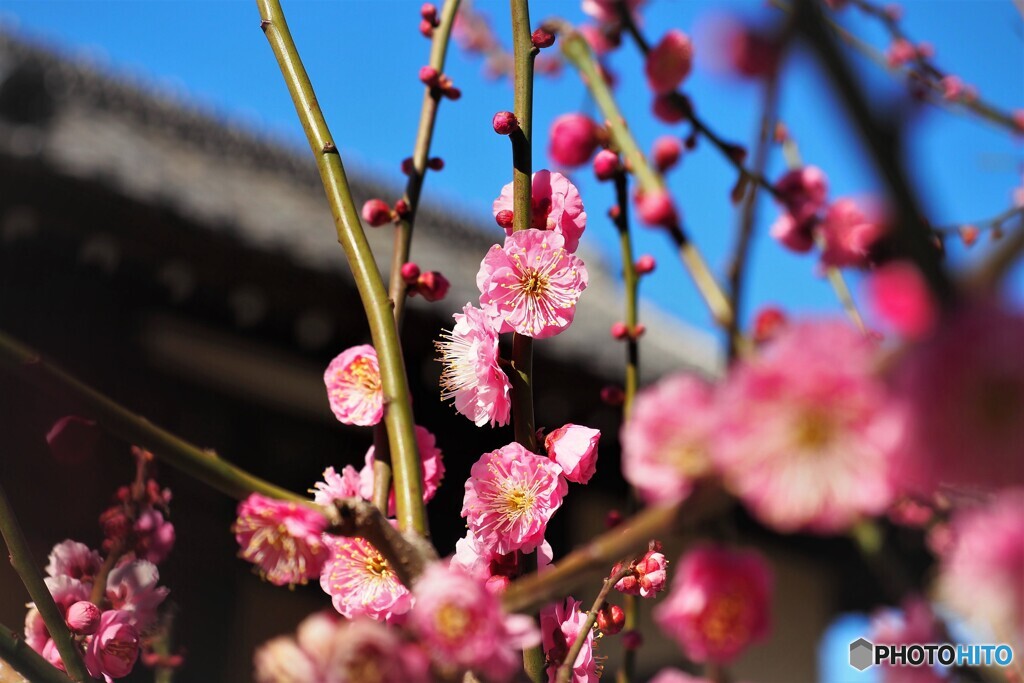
<point x="410" y="273"/>
<point x="505" y="123"/>
<point x="645" y="264"/>
<point x="606" y="164"/>
<point x="83" y="618"/>
<point x="376" y="212"/>
<point x="542" y="38"/>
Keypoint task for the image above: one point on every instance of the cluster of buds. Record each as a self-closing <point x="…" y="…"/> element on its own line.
<point x="901" y="51"/>
<point x="648" y="574"/>
<point x="622" y="331"/>
<point x="428" y="19"/>
<point x="136" y="521"/>
<point x="433" y="163"/>
<point x="440" y="84"/>
<point x="431" y="285"/>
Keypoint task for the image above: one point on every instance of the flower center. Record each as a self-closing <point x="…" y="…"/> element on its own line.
<point x="532" y="283"/>
<point x="814" y="430"/>
<point x="362" y="374"/>
<point x="723" y="620"/>
<point x="365" y="668"/>
<point x="518" y="502"/>
<point x="377" y="565"/>
<point x="539" y="214"/>
<point x="452" y="622"/>
<point x="689" y="459"/>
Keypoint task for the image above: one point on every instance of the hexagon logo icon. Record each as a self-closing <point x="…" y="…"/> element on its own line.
<point x="861" y="654"/>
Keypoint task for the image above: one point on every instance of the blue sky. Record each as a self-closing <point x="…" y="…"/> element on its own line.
<point x="363" y="57"/>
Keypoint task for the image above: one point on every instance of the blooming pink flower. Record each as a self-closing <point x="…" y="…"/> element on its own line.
<point x="132" y="588"/>
<point x="676" y="676"/>
<point x="666" y="442"/>
<point x="353" y="386"/>
<point x="36" y="635"/>
<point x="560" y="625"/>
<point x="607" y="11"/>
<point x="511" y="494"/>
<point x="281" y="538"/>
<point x="532" y="284"/>
<point x="719" y="603"/>
<point x="574" y="449"/>
<point x="669" y="62"/>
<point x="573" y="139"/>
<point x="964" y="395"/>
<point x="462" y="625"/>
<point x="915" y="623"/>
<point x="337" y="486"/>
<point x="803" y="192"/>
<point x="471" y="374"/>
<point x="556" y="206"/>
<point x="648" y="577"/>
<point x="980" y="576"/>
<point x="281" y="660"/>
<point x="154" y="536"/>
<point x="850" y="234"/>
<point x="476" y="558"/>
<point x="900" y="296"/>
<point x="361" y="582"/>
<point x="112" y="652"/>
<point x="431" y="469"/>
<point x="809" y="440"/>
<point x="74" y="559"/>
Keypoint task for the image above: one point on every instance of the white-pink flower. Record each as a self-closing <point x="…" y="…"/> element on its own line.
<point x="607" y="11"/>
<point x="511" y="494"/>
<point x="556" y="206"/>
<point x="479" y="560"/>
<point x="361" y="582"/>
<point x="560" y="625"/>
<point x="132" y="588"/>
<point x="809" y="437"/>
<point x="353" y="386"/>
<point x="462" y="624"/>
<point x="74" y="559"/>
<point x="337" y="486"/>
<point x="281" y="538"/>
<point x="666" y="444"/>
<point x="574" y="449"/>
<point x="532" y="284"/>
<point x="431" y="469"/>
<point x="471" y="374"/>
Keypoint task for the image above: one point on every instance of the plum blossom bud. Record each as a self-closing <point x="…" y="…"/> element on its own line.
<point x="432" y="285"/>
<point x="610" y="619"/>
<point x="574" y="449"/>
<point x="619" y="330"/>
<point x="638" y="330"/>
<point x="606" y="164"/>
<point x="401" y="208"/>
<point x="969" y="234"/>
<point x="542" y="38"/>
<point x="666" y="153"/>
<point x="670" y="108"/>
<point x="407" y="166"/>
<point x="452" y="93"/>
<point x="435" y="164"/>
<point x="1018" y="120"/>
<point x="429" y="12"/>
<point x="426" y="29"/>
<point x="900" y="296"/>
<point x="505" y="123"/>
<point x="504" y="218"/>
<point x="645" y="264"/>
<point x="900" y="52"/>
<point x="376" y="212"/>
<point x="612" y="395"/>
<point x="657" y="209"/>
<point x="574" y="137"/>
<point x="612" y="519"/>
<point x="83" y="618"/>
<point x="632" y="640"/>
<point x="429" y="76"/>
<point x="669" y="62"/>
<point x="768" y="323"/>
<point x="410" y="272"/>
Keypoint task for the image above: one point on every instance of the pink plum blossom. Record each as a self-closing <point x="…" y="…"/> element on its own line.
<point x="669" y="62"/>
<point x="132" y="588"/>
<point x="154" y="535"/>
<point x="476" y="558"/>
<point x="471" y="374"/>
<point x="560" y="624"/>
<point x="353" y="386"/>
<point x="431" y="469"/>
<point x="361" y="582"/>
<point x="281" y="538"/>
<point x="556" y="206"/>
<point x="337" y="486"/>
<point x="112" y="651"/>
<point x="676" y="676"/>
<point x="462" y="625"/>
<point x="808" y="438"/>
<point x="803" y="193"/>
<point x="574" y="449"/>
<point x="914" y="623"/>
<point x="510" y="496"/>
<point x="649" y="574"/>
<point x="850" y="233"/>
<point x="607" y="11"/>
<point x="900" y="296"/>
<point x="74" y="559"/>
<point x="719" y="603"/>
<point x="964" y="394"/>
<point x="980" y="576"/>
<point x="573" y="139"/>
<point x="666" y="444"/>
<point x="531" y="285"/>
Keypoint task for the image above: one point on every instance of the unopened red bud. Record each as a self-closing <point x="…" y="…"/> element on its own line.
<point x="429" y="11"/>
<point x="969" y="234"/>
<point x="505" y="123"/>
<point x="376" y="212"/>
<point x="452" y="93"/>
<point x="407" y="166"/>
<point x="426" y="29"/>
<point x="691" y="141"/>
<point x="83" y="618"/>
<point x="657" y="209"/>
<point x="612" y="395"/>
<point x="638" y="330"/>
<point x="632" y="640"/>
<point x="402" y="208"/>
<point x="669" y="108"/>
<point x="504" y="218"/>
<point x="606" y="164"/>
<point x="435" y="164"/>
<point x="542" y="38"/>
<point x="433" y="286"/>
<point x="768" y="323"/>
<point x="667" y="152"/>
<point x="645" y="264"/>
<point x="619" y="330"/>
<point x="781" y="133"/>
<point x="410" y="272"/>
<point x="429" y="76"/>
<point x="610" y="619"/>
<point x="614" y="212"/>
<point x="612" y="519"/>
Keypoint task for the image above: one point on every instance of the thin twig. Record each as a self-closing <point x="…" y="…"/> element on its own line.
<point x="379" y="314"/>
<point x="566" y="668"/>
<point x="25" y="565"/>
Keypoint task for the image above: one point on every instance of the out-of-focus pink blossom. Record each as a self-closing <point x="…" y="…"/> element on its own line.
<point x="900" y="296"/>
<point x="431" y="285"/>
<point x="798" y="237"/>
<point x="376" y="213"/>
<point x="601" y="42"/>
<point x="361" y="582"/>
<point x="676" y="676"/>
<point x="720" y="603"/>
<point x="574" y="449"/>
<point x="281" y="538"/>
<point x="803" y="192"/>
<point x="573" y="139"/>
<point x="337" y="486"/>
<point x="73" y="559"/>
<point x="560" y="625"/>
<point x="510" y="496"/>
<point x="154" y="536"/>
<point x="353" y="386"/>
<point x="462" y="625"/>
<point x="914" y="623"/>
<point x="768" y="322"/>
<point x="431" y="469"/>
<point x="532" y="284"/>
<point x="809" y="438"/>
<point x="471" y="374"/>
<point x="666" y="442"/>
<point x="607" y="11"/>
<point x="112" y="651"/>
<point x="656" y="208"/>
<point x="850" y="233"/>
<point x="738" y="49"/>
<point x="980" y="575"/>
<point x="900" y="51"/>
<point x="666" y="152"/>
<point x="73" y="439"/>
<point x="557" y="206"/>
<point x="475" y="557"/>
<point x="132" y="588"/>
<point x="648" y="576"/>
<point x="606" y="164"/>
<point x="669" y="62"/>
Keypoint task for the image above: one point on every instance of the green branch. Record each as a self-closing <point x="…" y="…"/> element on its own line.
<point x="26" y="661"/>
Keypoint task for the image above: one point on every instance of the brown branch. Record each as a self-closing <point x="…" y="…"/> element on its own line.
<point x="566" y="668"/>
